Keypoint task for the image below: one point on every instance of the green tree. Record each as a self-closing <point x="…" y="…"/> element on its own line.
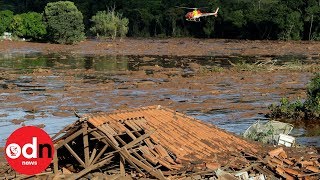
<point x="17" y="26"/>
<point x="64" y="22"/>
<point x="312" y="20"/>
<point x="6" y="18"/>
<point x="109" y="24"/>
<point x="313" y="100"/>
<point x="28" y="25"/>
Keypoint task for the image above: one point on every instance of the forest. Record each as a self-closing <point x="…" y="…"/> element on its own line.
<point x="237" y="19"/>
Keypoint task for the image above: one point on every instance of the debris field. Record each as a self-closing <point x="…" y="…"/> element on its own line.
<point x="159" y="143"/>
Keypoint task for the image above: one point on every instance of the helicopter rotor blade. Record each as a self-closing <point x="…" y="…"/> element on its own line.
<point x="182" y="7"/>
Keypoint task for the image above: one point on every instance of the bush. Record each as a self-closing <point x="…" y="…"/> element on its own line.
<point x="309" y="110"/>
<point x="28" y="25"/>
<point x="6" y="18"/>
<point x="64" y="22"/>
<point x="109" y="24"/>
<point x="312" y="103"/>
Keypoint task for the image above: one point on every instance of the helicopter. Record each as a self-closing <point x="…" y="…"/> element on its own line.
<point x="196" y="14"/>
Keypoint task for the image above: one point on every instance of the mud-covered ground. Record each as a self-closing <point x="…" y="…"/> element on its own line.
<point x="172" y="47"/>
<point x="45" y="90"/>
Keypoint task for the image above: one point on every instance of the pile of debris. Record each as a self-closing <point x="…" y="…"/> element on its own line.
<point x="292" y="168"/>
<point x="156" y="142"/>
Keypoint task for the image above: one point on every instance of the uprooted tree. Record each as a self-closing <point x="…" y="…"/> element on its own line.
<point x="109" y="24"/>
<point x="64" y="22"/>
<point x="298" y="110"/>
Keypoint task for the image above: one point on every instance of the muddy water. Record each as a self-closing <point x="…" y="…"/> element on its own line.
<point x="44" y="90"/>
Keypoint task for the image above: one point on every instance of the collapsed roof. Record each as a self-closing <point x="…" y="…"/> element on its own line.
<point x="151" y="140"/>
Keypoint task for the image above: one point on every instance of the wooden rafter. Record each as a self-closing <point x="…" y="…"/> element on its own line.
<point x="74" y="154"/>
<point x="86" y="144"/>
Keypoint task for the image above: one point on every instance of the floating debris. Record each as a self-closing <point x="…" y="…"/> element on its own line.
<point x="268" y="132"/>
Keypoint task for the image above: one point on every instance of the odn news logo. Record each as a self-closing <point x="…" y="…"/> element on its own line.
<point x="29" y="150"/>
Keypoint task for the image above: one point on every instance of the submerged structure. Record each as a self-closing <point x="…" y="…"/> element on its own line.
<point x="151" y="140"/>
<point x="157" y="142"/>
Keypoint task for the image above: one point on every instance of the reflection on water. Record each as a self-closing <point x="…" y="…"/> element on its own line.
<point x="44" y="89"/>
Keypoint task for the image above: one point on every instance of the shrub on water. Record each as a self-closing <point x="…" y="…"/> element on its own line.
<point x="297" y="110"/>
<point x="312" y="103"/>
<point x="64" y="22"/>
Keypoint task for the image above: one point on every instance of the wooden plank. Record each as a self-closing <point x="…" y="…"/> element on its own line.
<point x="128" y="123"/>
<point x="90" y="168"/>
<point x="86" y="144"/>
<point x="146" y="160"/>
<point x="110" y="137"/>
<point x="122" y="170"/>
<point x="63" y="130"/>
<point x="68" y="139"/>
<point x="109" y="129"/>
<point x="99" y="154"/>
<point x="130" y="134"/>
<point x="149" y="169"/>
<point x="141" y="138"/>
<point x="93" y="154"/>
<point x="110" y="142"/>
<point x="55" y="161"/>
<point x="120" y="140"/>
<point x="74" y="154"/>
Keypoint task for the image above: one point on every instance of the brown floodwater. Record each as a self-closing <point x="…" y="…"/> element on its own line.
<point x="44" y="90"/>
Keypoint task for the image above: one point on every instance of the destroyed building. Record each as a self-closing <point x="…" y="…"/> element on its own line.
<point x="157" y="142"/>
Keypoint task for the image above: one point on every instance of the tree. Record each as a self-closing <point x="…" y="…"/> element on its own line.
<point x="6" y="18"/>
<point x="64" y="22"/>
<point x="28" y="25"/>
<point x="109" y="24"/>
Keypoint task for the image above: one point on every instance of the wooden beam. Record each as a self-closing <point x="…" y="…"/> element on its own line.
<point x="63" y="130"/>
<point x="74" y="155"/>
<point x="99" y="154"/>
<point x="90" y="168"/>
<point x="130" y="134"/>
<point x="55" y="161"/>
<point x="68" y="139"/>
<point x="86" y="144"/>
<point x="115" y="147"/>
<point x="122" y="170"/>
<point x="120" y="140"/>
<point x="93" y="154"/>
<point x="139" y="139"/>
<point x="154" y="172"/>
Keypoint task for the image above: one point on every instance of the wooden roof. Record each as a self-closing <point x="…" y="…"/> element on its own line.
<point x="186" y="137"/>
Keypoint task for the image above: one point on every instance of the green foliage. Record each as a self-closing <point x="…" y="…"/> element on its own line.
<point x="28" y="25"/>
<point x="310" y="109"/>
<point x="64" y="22"/>
<point x="17" y="25"/>
<point x="312" y="103"/>
<point x="254" y="19"/>
<point x="312" y="20"/>
<point x="6" y="18"/>
<point x="109" y="24"/>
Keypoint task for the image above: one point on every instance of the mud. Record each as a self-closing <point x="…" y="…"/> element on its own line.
<point x="45" y="90"/>
<point x="172" y="47"/>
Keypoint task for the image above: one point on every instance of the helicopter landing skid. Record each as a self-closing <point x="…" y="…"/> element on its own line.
<point x="194" y="19"/>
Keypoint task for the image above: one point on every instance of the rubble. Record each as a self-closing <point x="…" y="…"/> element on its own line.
<point x="156" y="142"/>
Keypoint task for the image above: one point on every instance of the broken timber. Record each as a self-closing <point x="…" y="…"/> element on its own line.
<point x="152" y="141"/>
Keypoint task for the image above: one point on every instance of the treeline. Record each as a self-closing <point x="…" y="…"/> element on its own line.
<point x="241" y="19"/>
